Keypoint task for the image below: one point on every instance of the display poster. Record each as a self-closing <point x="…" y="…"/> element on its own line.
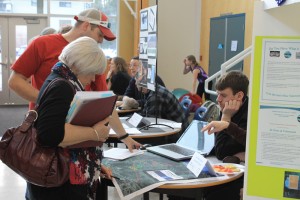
<point x="148" y="47"/>
<point x="274" y="132"/>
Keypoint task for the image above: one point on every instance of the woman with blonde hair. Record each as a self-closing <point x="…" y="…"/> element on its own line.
<point x="78" y="64"/>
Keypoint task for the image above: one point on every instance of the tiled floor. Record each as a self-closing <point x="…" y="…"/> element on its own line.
<point x="12" y="186"/>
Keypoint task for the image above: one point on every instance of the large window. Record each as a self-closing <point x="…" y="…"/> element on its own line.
<point x="61" y="13"/>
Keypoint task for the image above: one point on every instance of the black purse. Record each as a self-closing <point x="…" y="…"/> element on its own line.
<point x="39" y="165"/>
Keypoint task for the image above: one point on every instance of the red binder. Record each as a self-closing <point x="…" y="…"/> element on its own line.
<point x="90" y="111"/>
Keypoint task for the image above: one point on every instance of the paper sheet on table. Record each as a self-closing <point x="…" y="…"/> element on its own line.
<point x="130" y="131"/>
<point x="121" y="154"/>
<point x="111" y="131"/>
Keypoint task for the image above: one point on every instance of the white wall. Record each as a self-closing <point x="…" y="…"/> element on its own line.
<point x="178" y="36"/>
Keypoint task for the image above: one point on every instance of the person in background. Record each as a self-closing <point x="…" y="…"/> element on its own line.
<point x="199" y="75"/>
<point x="117" y="78"/>
<point x="132" y="91"/>
<point x="163" y="104"/>
<point x="65" y="29"/>
<point x="48" y="31"/>
<point x="231" y="130"/>
<point x="45" y="31"/>
<point x="46" y="49"/>
<point x="135" y="65"/>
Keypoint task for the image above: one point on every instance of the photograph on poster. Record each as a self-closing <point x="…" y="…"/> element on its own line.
<point x="144" y="20"/>
<point x="151" y="51"/>
<point x="153" y="74"/>
<point x="291" y="185"/>
<point x="143" y="48"/>
<point x="297" y="55"/>
<point x="274" y="53"/>
<point x="152" y="19"/>
<point x="142" y="74"/>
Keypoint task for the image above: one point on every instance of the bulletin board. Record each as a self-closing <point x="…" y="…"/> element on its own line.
<point x="273" y="161"/>
<point x="148" y="47"/>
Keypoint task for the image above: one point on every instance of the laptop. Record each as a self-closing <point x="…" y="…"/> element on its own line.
<point x="191" y="140"/>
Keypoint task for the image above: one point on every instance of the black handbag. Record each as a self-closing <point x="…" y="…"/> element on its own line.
<point x="39" y="165"/>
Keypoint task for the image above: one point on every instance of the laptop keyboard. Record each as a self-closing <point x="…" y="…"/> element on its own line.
<point x="178" y="149"/>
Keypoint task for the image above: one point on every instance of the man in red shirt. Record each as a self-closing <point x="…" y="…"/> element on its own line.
<point x="42" y="53"/>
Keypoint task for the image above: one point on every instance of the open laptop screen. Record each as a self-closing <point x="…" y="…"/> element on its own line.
<point x="194" y="139"/>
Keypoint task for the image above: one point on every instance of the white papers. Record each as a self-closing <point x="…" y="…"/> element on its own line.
<point x="164" y="175"/>
<point x="130" y="131"/>
<point x="135" y="119"/>
<point x="121" y="154"/>
<point x="198" y="162"/>
<point x="234" y="44"/>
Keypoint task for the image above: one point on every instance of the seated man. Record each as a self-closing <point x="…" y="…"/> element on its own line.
<point x="231" y="130"/>
<point x="163" y="104"/>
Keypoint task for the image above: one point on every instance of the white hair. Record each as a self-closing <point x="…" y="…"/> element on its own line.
<point x="84" y="56"/>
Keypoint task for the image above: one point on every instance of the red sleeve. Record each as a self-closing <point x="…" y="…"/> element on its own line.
<point x="98" y="85"/>
<point x="28" y="63"/>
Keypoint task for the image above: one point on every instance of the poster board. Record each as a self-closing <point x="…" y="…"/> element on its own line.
<point x="273" y="161"/>
<point x="148" y="47"/>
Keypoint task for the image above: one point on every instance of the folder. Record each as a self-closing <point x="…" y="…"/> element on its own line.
<point x="88" y="108"/>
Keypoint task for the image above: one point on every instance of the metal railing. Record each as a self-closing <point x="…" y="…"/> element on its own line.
<point x="226" y="66"/>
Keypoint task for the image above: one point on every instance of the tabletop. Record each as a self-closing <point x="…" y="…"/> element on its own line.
<point x="156" y="133"/>
<point x="127" y="111"/>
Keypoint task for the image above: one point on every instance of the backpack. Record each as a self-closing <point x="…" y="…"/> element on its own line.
<point x="209" y="111"/>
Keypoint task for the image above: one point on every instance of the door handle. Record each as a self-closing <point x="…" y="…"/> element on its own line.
<point x="5" y="62"/>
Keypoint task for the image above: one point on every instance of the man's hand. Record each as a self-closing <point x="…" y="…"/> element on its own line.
<point x="230" y="108"/>
<point x="215" y="126"/>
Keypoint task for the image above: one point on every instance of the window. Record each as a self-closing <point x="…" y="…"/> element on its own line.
<point x="65" y="4"/>
<point x="33" y="2"/>
<point x="62" y="13"/>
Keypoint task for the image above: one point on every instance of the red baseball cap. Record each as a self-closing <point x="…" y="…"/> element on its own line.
<point x="97" y="17"/>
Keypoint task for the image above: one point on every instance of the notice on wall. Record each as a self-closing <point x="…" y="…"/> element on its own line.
<point x="273" y="143"/>
<point x="278" y="143"/>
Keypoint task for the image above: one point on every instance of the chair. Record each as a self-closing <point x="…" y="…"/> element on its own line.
<point x="179" y="92"/>
<point x="208" y="112"/>
<point x="200" y="113"/>
<point x="185" y="104"/>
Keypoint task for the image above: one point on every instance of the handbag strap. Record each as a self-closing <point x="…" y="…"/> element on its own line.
<point x="32" y="115"/>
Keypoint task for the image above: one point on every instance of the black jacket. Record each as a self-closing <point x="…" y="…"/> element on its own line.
<point x="233" y="139"/>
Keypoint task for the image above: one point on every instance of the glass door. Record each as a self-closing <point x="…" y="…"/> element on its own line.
<point x="15" y="32"/>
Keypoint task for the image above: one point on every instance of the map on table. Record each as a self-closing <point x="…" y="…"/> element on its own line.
<point x="134" y="179"/>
